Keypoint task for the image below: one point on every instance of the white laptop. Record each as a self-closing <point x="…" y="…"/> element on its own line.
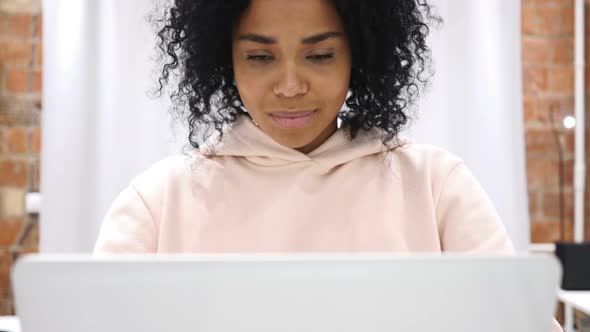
<point x="286" y="293"/>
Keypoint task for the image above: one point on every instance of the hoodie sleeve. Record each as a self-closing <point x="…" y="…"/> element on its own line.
<point x="468" y="221"/>
<point x="128" y="227"/>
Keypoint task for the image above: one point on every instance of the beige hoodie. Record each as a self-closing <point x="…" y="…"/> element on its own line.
<point x="254" y="195"/>
<point x="251" y="194"/>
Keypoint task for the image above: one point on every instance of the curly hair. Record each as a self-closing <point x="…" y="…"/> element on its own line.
<point x="391" y="62"/>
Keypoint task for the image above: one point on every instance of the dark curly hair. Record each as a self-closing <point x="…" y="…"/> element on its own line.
<point x="390" y="62"/>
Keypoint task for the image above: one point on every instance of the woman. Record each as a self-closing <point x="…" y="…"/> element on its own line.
<point x="262" y="85"/>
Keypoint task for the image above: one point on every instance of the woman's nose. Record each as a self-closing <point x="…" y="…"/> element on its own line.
<point x="290" y="83"/>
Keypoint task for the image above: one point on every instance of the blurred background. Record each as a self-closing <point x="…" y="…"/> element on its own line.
<point x="76" y="121"/>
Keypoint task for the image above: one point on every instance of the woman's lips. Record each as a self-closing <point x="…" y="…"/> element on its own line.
<point x="293" y="119"/>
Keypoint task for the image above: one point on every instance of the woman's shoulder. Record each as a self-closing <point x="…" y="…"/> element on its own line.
<point x="425" y="159"/>
<point x="171" y="170"/>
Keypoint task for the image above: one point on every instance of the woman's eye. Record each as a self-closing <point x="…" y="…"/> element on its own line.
<point x="260" y="58"/>
<point x="321" y="57"/>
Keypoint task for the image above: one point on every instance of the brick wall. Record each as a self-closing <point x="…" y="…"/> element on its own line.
<point x="548" y="83"/>
<point x="20" y="143"/>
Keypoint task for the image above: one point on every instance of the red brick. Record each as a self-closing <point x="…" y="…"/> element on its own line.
<point x="570" y="141"/>
<point x="529" y="109"/>
<point x="17" y="80"/>
<point x="31" y="241"/>
<point x="561" y="80"/>
<point x="550" y="20"/>
<point x="9" y="231"/>
<point x="554" y="2"/>
<point x="39" y="30"/>
<point x="548" y="231"/>
<point x="551" y="205"/>
<point x="544" y="173"/>
<point x="36" y="140"/>
<point x="37" y="81"/>
<point x="39" y="55"/>
<point x="544" y="106"/>
<point x="568" y="166"/>
<point x="528" y="19"/>
<point x="3" y="148"/>
<point x="15" y="52"/>
<point x="35" y="175"/>
<point x="6" y="262"/>
<point x="541" y="141"/>
<point x="534" y="81"/>
<point x="550" y="3"/>
<point x="547" y="51"/>
<point x="562" y="51"/>
<point x="20" y="25"/>
<point x="14" y="173"/>
<point x="17" y="140"/>
<point x="568" y="20"/>
<point x="541" y="173"/>
<point x="534" y="206"/>
<point x="535" y="51"/>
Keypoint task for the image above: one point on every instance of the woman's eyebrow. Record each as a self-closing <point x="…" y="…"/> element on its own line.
<point x="256" y="38"/>
<point x="321" y="37"/>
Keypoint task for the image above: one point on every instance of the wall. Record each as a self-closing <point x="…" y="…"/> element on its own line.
<point x="20" y="144"/>
<point x="548" y="79"/>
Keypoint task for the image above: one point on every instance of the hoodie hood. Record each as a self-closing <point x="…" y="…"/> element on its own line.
<point x="245" y="139"/>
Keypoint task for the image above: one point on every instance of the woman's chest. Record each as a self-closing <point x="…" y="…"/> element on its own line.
<point x="341" y="211"/>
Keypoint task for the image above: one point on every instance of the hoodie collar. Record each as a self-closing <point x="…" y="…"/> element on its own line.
<point x="245" y="139"/>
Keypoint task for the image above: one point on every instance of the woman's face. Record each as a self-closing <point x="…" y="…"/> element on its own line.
<point x="292" y="68"/>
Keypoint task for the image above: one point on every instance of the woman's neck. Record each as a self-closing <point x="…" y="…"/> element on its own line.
<point x="324" y="135"/>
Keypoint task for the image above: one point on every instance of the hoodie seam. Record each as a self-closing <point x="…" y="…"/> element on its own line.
<point x="146" y="207"/>
<point x="441" y="191"/>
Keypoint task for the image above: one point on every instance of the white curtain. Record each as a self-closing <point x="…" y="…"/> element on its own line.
<point x="100" y="129"/>
<point x="474" y="107"/>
